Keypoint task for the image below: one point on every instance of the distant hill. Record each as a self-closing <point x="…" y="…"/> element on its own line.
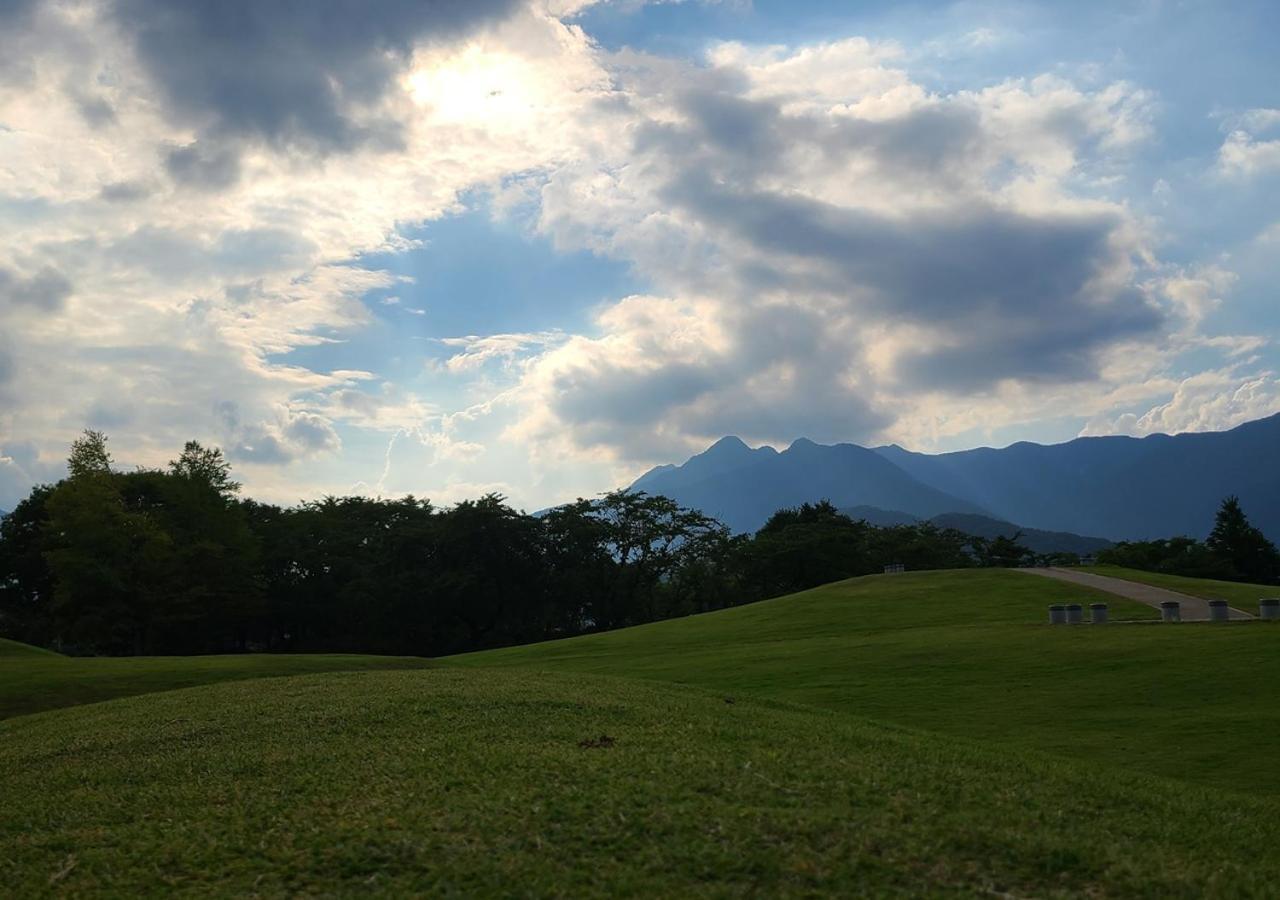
<point x="1118" y="488"/>
<point x="986" y="527"/>
<point x="1034" y="539"/>
<point x="884" y="518"/>
<point x="742" y="487"/>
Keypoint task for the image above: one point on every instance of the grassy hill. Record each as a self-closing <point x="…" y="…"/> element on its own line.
<point x="33" y="680"/>
<point x="13" y="648"/>
<point x="910" y="735"/>
<point x="966" y="653"/>
<point x="490" y="782"/>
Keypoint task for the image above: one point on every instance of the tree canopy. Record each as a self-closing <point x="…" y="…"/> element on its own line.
<point x="173" y="560"/>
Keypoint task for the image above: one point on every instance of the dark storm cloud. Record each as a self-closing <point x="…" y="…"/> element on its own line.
<point x="45" y="291"/>
<point x="287" y="72"/>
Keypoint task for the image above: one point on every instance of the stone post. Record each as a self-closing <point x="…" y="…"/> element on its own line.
<point x="1098" y="613"/>
<point x="1057" y="614"/>
<point x="1269" y="609"/>
<point x="1170" y="611"/>
<point x="1218" y="611"/>
<point x="1075" y="615"/>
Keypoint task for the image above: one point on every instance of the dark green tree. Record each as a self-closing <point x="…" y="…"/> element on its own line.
<point x="1003" y="550"/>
<point x="1242" y="548"/>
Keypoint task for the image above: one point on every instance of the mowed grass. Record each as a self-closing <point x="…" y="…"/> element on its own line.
<point x="966" y="653"/>
<point x="13" y="648"/>
<point x="477" y="783"/>
<point x="1243" y="597"/>
<point x="33" y="680"/>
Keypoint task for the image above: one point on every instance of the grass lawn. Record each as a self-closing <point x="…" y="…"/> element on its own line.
<point x="33" y="680"/>
<point x="13" y="648"/>
<point x="466" y="782"/>
<point x="965" y="653"/>
<point x="1243" y="597"/>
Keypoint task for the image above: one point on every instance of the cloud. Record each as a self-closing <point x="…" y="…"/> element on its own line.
<point x="303" y="75"/>
<point x="22" y="466"/>
<point x="45" y="291"/>
<point x="478" y="351"/>
<point x="199" y="166"/>
<point x="1209" y="401"/>
<point x="1242" y="154"/>
<point x="834" y="246"/>
<point x="292" y="435"/>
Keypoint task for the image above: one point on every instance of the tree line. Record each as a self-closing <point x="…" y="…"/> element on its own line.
<point x="1235" y="550"/>
<point x="175" y="561"/>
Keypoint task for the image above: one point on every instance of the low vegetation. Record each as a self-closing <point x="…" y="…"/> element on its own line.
<point x="480" y="783"/>
<point x="966" y="653"/>
<point x="33" y="680"/>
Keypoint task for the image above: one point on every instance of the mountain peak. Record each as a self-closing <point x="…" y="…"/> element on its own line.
<point x="728" y="444"/>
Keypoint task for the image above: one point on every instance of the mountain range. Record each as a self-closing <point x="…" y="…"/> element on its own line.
<point x="1119" y="488"/>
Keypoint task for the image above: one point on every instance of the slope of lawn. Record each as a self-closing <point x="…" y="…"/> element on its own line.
<point x="485" y="783"/>
<point x="13" y="648"/>
<point x="1243" y="597"/>
<point x="966" y="653"/>
<point x="32" y="680"/>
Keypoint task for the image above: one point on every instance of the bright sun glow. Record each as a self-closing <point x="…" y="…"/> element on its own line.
<point x="476" y="87"/>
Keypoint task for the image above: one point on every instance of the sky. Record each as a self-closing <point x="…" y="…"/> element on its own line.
<point x="535" y="247"/>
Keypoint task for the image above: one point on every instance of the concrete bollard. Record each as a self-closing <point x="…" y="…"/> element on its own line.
<point x="1170" y="611"/>
<point x="1098" y="613"/>
<point x="1218" y="611"/>
<point x="1075" y="615"/>
<point x="1057" y="615"/>
<point x="1269" y="609"/>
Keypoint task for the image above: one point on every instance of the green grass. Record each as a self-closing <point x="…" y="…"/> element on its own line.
<point x="33" y="680"/>
<point x="1243" y="597"/>
<point x="923" y="734"/>
<point x="473" y="783"/>
<point x="965" y="653"/>
<point x="13" y="648"/>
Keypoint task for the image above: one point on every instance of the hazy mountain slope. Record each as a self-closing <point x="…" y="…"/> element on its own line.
<point x="1117" y="487"/>
<point x="751" y="484"/>
<point x="1035" y="539"/>
<point x="981" y="526"/>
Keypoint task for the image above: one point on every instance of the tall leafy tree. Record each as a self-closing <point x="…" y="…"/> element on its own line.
<point x="89" y="455"/>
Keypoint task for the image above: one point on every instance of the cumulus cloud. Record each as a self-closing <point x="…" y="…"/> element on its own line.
<point x="1244" y="153"/>
<point x="292" y="435"/>
<point x="829" y="247"/>
<point x="833" y="243"/>
<point x="308" y="75"/>
<point x="1208" y="401"/>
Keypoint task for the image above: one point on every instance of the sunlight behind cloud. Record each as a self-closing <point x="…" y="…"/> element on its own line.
<point x="483" y="88"/>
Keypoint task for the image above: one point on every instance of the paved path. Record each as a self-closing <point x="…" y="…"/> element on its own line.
<point x="1192" y="607"/>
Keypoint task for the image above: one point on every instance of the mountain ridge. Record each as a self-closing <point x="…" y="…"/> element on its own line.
<point x="1115" y="487"/>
